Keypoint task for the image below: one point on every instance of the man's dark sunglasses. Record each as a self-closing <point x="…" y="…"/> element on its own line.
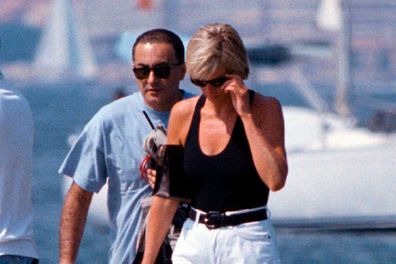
<point x="161" y="70"/>
<point x="217" y="82"/>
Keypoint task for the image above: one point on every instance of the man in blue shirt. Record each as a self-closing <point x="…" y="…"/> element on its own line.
<point x="110" y="148"/>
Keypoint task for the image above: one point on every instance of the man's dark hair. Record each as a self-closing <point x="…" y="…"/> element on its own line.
<point x="160" y="35"/>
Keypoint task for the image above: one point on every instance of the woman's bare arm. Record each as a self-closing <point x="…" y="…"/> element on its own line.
<point x="265" y="132"/>
<point x="264" y="127"/>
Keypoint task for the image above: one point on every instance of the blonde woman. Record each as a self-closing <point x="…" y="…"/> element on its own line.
<point x="234" y="154"/>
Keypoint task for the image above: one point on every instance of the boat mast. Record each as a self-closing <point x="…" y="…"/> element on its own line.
<point x="344" y="79"/>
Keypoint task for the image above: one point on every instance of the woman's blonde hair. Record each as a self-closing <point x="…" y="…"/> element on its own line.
<point x="216" y="46"/>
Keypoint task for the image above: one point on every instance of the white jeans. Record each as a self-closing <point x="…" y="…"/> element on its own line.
<point x="248" y="243"/>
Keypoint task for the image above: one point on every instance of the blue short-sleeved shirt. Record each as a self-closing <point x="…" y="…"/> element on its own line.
<point x="110" y="148"/>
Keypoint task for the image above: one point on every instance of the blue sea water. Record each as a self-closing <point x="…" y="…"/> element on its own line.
<point x="62" y="109"/>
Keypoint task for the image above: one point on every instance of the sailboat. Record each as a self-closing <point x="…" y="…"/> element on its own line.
<point x="64" y="51"/>
<point x="341" y="176"/>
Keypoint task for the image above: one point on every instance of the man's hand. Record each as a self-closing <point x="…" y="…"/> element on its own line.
<point x="151" y="174"/>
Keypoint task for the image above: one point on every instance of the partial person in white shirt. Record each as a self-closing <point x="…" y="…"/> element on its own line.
<point x="17" y="244"/>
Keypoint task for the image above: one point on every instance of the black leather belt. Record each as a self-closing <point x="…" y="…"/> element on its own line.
<point x="216" y="219"/>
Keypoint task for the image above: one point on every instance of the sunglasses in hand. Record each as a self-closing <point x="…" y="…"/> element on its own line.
<point x="161" y="70"/>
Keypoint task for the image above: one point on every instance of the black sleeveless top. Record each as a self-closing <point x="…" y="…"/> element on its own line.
<point x="227" y="181"/>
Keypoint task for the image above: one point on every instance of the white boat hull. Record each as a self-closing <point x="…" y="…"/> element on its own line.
<point x="354" y="186"/>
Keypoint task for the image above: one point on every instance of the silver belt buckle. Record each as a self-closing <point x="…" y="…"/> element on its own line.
<point x="214" y="219"/>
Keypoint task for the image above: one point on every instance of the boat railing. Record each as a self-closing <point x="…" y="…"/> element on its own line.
<point x="306" y="89"/>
